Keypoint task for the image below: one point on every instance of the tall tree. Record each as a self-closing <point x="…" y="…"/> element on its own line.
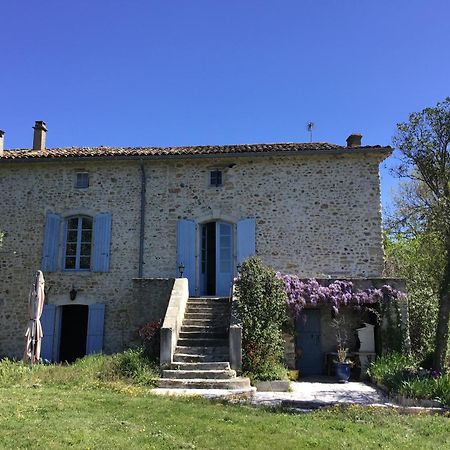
<point x="424" y="143"/>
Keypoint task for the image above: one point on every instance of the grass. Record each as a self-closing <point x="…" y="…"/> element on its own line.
<point x="54" y="417"/>
<point x="106" y="402"/>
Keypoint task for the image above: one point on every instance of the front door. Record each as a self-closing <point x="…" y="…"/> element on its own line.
<point x="216" y="271"/>
<point x="308" y="348"/>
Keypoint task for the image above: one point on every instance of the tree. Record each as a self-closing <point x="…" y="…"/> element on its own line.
<point x="424" y="143"/>
<point x="418" y="260"/>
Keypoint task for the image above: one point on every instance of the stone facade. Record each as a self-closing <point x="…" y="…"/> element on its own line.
<point x="315" y="216"/>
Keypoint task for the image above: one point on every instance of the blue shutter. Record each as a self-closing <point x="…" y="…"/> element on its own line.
<point x="52" y="234"/>
<point x="102" y="242"/>
<point x="96" y="320"/>
<point x="186" y="251"/>
<point x="246" y="239"/>
<point x="48" y="330"/>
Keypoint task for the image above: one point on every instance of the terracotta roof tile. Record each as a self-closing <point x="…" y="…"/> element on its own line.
<point x="129" y="152"/>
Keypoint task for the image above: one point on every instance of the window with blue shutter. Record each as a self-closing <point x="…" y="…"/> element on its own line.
<point x="102" y="242"/>
<point x="246" y="239"/>
<point x="52" y="232"/>
<point x="96" y="320"/>
<point x="78" y="243"/>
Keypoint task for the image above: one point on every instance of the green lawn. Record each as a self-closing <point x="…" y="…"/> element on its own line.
<point x="120" y="415"/>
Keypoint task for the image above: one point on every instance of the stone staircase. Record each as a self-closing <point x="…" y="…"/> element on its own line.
<point x="201" y="358"/>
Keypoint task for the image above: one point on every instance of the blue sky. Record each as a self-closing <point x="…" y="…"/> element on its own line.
<point x="182" y="72"/>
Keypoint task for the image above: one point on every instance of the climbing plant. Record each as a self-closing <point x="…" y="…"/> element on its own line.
<point x="384" y="302"/>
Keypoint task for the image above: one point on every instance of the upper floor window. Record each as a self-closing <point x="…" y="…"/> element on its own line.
<point x="78" y="243"/>
<point x="82" y="180"/>
<point x="215" y="178"/>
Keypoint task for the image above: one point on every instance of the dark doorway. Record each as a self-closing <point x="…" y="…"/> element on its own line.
<point x="209" y="258"/>
<point x="74" y="323"/>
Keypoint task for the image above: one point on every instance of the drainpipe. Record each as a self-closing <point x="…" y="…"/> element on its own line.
<point x="142" y="229"/>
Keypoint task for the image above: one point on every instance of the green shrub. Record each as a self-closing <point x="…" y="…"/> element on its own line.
<point x="133" y="365"/>
<point x="402" y="374"/>
<point x="262" y="307"/>
<point x="390" y="370"/>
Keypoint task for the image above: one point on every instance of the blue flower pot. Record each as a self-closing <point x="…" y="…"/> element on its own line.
<point x="343" y="371"/>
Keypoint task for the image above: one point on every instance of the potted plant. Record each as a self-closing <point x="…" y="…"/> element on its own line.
<point x="343" y="364"/>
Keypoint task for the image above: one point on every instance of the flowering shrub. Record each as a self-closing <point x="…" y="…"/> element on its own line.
<point x="337" y="294"/>
<point x="150" y="336"/>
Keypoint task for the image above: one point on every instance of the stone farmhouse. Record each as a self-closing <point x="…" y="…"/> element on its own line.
<point x="112" y="228"/>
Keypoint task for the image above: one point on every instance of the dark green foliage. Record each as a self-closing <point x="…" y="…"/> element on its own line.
<point x="419" y="260"/>
<point x="262" y="307"/>
<point x="402" y="374"/>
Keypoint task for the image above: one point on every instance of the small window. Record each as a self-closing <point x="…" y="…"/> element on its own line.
<point x="215" y="178"/>
<point x="82" y="180"/>
<point x="78" y="243"/>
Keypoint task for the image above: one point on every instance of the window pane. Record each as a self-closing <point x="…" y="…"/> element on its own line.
<point x="72" y="223"/>
<point x="86" y="236"/>
<point x="86" y="249"/>
<point x="87" y="223"/>
<point x="70" y="263"/>
<point x="72" y="236"/>
<point x="85" y="262"/>
<point x="71" y="249"/>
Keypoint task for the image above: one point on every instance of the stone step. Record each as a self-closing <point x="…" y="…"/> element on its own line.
<point x="201" y="383"/>
<point x="204" y="329"/>
<point x="208" y="301"/>
<point x="202" y="335"/>
<point x="216" y="322"/>
<point x="203" y="315"/>
<point x="207" y="309"/>
<point x="220" y="365"/>
<point x="202" y="342"/>
<point x="201" y="350"/>
<point x="187" y="358"/>
<point x="196" y="374"/>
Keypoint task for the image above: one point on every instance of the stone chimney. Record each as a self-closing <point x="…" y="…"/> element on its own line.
<point x="2" y="138"/>
<point x="40" y="132"/>
<point x="354" y="140"/>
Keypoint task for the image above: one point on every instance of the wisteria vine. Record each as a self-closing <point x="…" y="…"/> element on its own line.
<point x="337" y="294"/>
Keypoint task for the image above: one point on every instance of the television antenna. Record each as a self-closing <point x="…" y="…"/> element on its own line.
<point x="310" y="127"/>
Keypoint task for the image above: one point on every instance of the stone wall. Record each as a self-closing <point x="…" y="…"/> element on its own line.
<point x="315" y="216"/>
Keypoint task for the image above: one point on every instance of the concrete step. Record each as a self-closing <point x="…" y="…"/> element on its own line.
<point x="201" y="383"/>
<point x="224" y="365"/>
<point x="201" y="350"/>
<point x="202" y="335"/>
<point x="202" y="342"/>
<point x="196" y="374"/>
<point x="188" y="358"/>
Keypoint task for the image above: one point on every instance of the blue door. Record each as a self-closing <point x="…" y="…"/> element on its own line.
<point x="308" y="348"/>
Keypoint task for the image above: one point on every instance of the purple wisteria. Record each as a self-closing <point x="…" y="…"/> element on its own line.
<point x="337" y="294"/>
